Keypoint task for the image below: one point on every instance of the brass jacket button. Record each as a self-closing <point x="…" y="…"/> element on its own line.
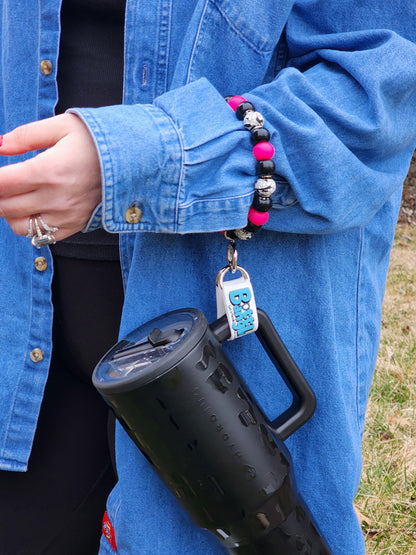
<point x="36" y="355"/>
<point x="41" y="264"/>
<point x="133" y="215"/>
<point x="46" y="67"/>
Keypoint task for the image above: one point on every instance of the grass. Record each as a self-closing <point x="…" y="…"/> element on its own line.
<point x="386" y="500"/>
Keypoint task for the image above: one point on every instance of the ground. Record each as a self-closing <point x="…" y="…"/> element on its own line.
<point x="408" y="208"/>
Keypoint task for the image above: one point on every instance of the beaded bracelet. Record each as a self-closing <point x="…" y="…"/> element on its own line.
<point x="263" y="152"/>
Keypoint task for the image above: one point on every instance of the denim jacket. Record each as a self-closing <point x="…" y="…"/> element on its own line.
<point x="336" y="84"/>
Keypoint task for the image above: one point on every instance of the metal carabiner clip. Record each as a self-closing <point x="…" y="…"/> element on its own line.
<point x="232" y="256"/>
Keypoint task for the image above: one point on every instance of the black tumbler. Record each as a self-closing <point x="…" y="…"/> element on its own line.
<point x="178" y="396"/>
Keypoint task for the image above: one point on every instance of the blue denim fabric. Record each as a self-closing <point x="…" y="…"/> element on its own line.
<point x="336" y="82"/>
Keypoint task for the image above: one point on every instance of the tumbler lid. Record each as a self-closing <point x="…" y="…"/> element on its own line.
<point x="150" y="350"/>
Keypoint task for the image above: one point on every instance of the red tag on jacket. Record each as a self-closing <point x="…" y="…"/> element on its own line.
<point x="108" y="531"/>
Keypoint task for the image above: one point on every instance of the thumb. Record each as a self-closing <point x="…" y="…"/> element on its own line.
<point x="36" y="135"/>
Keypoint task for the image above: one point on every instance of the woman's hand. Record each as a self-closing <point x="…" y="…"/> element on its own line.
<point x="62" y="183"/>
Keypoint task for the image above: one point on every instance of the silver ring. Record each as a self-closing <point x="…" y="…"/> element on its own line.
<point x="30" y="232"/>
<point x="44" y="232"/>
<point x="46" y="227"/>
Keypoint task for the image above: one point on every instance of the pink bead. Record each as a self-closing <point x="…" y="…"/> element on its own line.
<point x="235" y="101"/>
<point x="256" y="217"/>
<point x="263" y="151"/>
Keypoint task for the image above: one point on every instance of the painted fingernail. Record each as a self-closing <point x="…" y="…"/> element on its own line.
<point x="1" y="140"/>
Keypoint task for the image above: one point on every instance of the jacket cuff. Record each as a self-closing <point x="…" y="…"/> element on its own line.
<point x="165" y="171"/>
<point x="95" y="221"/>
<point x="139" y="169"/>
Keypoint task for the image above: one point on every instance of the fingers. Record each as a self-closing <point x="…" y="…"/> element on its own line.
<point x="63" y="212"/>
<point x="19" y="206"/>
<point x="18" y="178"/>
<point x="21" y="177"/>
<point x="62" y="182"/>
<point x="36" y="135"/>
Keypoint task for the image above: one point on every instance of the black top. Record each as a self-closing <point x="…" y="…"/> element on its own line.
<point x="90" y="74"/>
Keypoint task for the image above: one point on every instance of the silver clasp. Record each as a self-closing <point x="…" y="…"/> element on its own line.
<point x="232" y="257"/>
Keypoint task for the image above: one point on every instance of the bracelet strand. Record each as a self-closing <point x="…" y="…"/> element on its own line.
<point x="263" y="152"/>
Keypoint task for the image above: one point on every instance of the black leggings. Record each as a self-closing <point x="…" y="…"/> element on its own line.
<point x="56" y="507"/>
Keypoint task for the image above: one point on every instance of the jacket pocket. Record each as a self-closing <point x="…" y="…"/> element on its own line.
<point x="231" y="45"/>
<point x="258" y="23"/>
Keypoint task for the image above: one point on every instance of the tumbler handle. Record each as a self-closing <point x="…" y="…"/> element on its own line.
<point x="304" y="401"/>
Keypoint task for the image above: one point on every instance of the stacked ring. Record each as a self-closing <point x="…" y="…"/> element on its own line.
<point x="263" y="152"/>
<point x="43" y="234"/>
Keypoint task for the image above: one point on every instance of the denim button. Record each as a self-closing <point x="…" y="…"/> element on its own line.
<point x="36" y="355"/>
<point x="133" y="215"/>
<point x="41" y="264"/>
<point x="46" y="67"/>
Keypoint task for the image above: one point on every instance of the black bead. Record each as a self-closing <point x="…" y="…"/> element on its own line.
<point x="265" y="167"/>
<point x="243" y="108"/>
<point x="262" y="204"/>
<point x="228" y="97"/>
<point x="252" y="228"/>
<point x="259" y="135"/>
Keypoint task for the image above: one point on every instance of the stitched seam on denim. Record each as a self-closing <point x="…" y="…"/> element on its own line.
<point x="282" y="57"/>
<point x="12" y="465"/>
<point x="38" y="80"/>
<point x="130" y="23"/>
<point x="357" y="338"/>
<point x="106" y="166"/>
<point x="196" y="43"/>
<point x="115" y="509"/>
<point x="215" y="200"/>
<point x="125" y="250"/>
<point x="7" y="427"/>
<point x="107" y="172"/>
<point x="181" y="184"/>
<point x="238" y="32"/>
<point x="163" y="48"/>
<point x="199" y="37"/>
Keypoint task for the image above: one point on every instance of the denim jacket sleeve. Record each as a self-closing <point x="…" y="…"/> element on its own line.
<point x="341" y="114"/>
